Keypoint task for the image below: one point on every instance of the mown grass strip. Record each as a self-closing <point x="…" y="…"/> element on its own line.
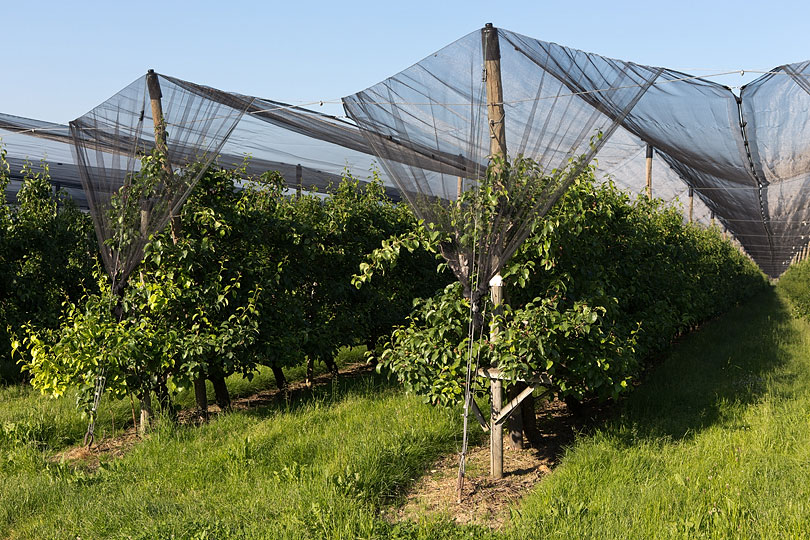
<point x="715" y="444"/>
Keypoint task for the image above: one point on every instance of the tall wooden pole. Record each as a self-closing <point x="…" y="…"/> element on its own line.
<point x="161" y="143"/>
<point x="460" y="183"/>
<point x="497" y="149"/>
<point x="649" y="170"/>
<point x="155" y="96"/>
<point x="492" y="71"/>
<point x="691" y="204"/>
<point x="162" y="146"/>
<point x="299" y="180"/>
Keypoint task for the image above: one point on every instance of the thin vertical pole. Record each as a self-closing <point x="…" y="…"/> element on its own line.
<point x="649" y="170"/>
<point x="691" y="204"/>
<point x="496" y="440"/>
<point x="460" y="184"/>
<point x="299" y="180"/>
<point x="497" y="149"/>
<point x="161" y="143"/>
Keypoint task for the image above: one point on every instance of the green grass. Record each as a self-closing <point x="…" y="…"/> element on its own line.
<point x="316" y="469"/>
<point x="53" y="424"/>
<point x="714" y="444"/>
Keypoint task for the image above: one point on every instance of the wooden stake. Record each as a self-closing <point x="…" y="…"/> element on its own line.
<point x="299" y="180"/>
<point x="496" y="440"/>
<point x="649" y="170"/>
<point x="496" y="385"/>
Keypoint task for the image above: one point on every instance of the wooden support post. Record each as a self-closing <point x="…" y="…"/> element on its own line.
<point x="155" y="96"/>
<point x="691" y="204"/>
<point x="496" y="438"/>
<point x="490" y="45"/>
<point x="299" y="180"/>
<point x="161" y="138"/>
<point x="492" y="70"/>
<point x="649" y="170"/>
<point x="144" y="220"/>
<point x="460" y="183"/>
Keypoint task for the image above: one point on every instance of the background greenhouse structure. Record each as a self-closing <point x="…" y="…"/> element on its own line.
<point x="743" y="155"/>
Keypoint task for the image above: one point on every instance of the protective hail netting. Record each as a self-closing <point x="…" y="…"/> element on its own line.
<point x="119" y="137"/>
<point x="442" y="101"/>
<point x="31" y="143"/>
<point x="746" y="157"/>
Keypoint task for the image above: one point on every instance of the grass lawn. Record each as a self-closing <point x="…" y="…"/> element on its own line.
<point x="715" y="443"/>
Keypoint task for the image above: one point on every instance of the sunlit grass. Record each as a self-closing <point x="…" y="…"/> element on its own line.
<point x="715" y="444"/>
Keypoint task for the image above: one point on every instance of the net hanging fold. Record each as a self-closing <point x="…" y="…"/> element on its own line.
<point x="111" y="143"/>
<point x="441" y="102"/>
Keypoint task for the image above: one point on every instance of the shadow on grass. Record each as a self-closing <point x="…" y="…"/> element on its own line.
<point x="710" y="374"/>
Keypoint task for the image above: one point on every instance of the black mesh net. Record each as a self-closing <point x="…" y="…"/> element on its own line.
<point x="560" y="108"/>
<point x="114" y="141"/>
<point x="31" y="143"/>
<point x="745" y="157"/>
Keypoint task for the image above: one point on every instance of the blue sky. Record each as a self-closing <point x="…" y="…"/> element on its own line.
<point x="63" y="58"/>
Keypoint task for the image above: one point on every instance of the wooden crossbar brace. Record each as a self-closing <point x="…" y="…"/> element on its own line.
<point x="515" y="403"/>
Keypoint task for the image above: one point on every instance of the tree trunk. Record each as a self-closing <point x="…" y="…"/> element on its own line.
<point x="515" y="421"/>
<point x="333" y="368"/>
<point x="146" y="412"/>
<point x="281" y="380"/>
<point x="221" y="393"/>
<point x="310" y="372"/>
<point x="371" y="347"/>
<point x="164" y="399"/>
<point x="201" y="397"/>
<point x="529" y="412"/>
